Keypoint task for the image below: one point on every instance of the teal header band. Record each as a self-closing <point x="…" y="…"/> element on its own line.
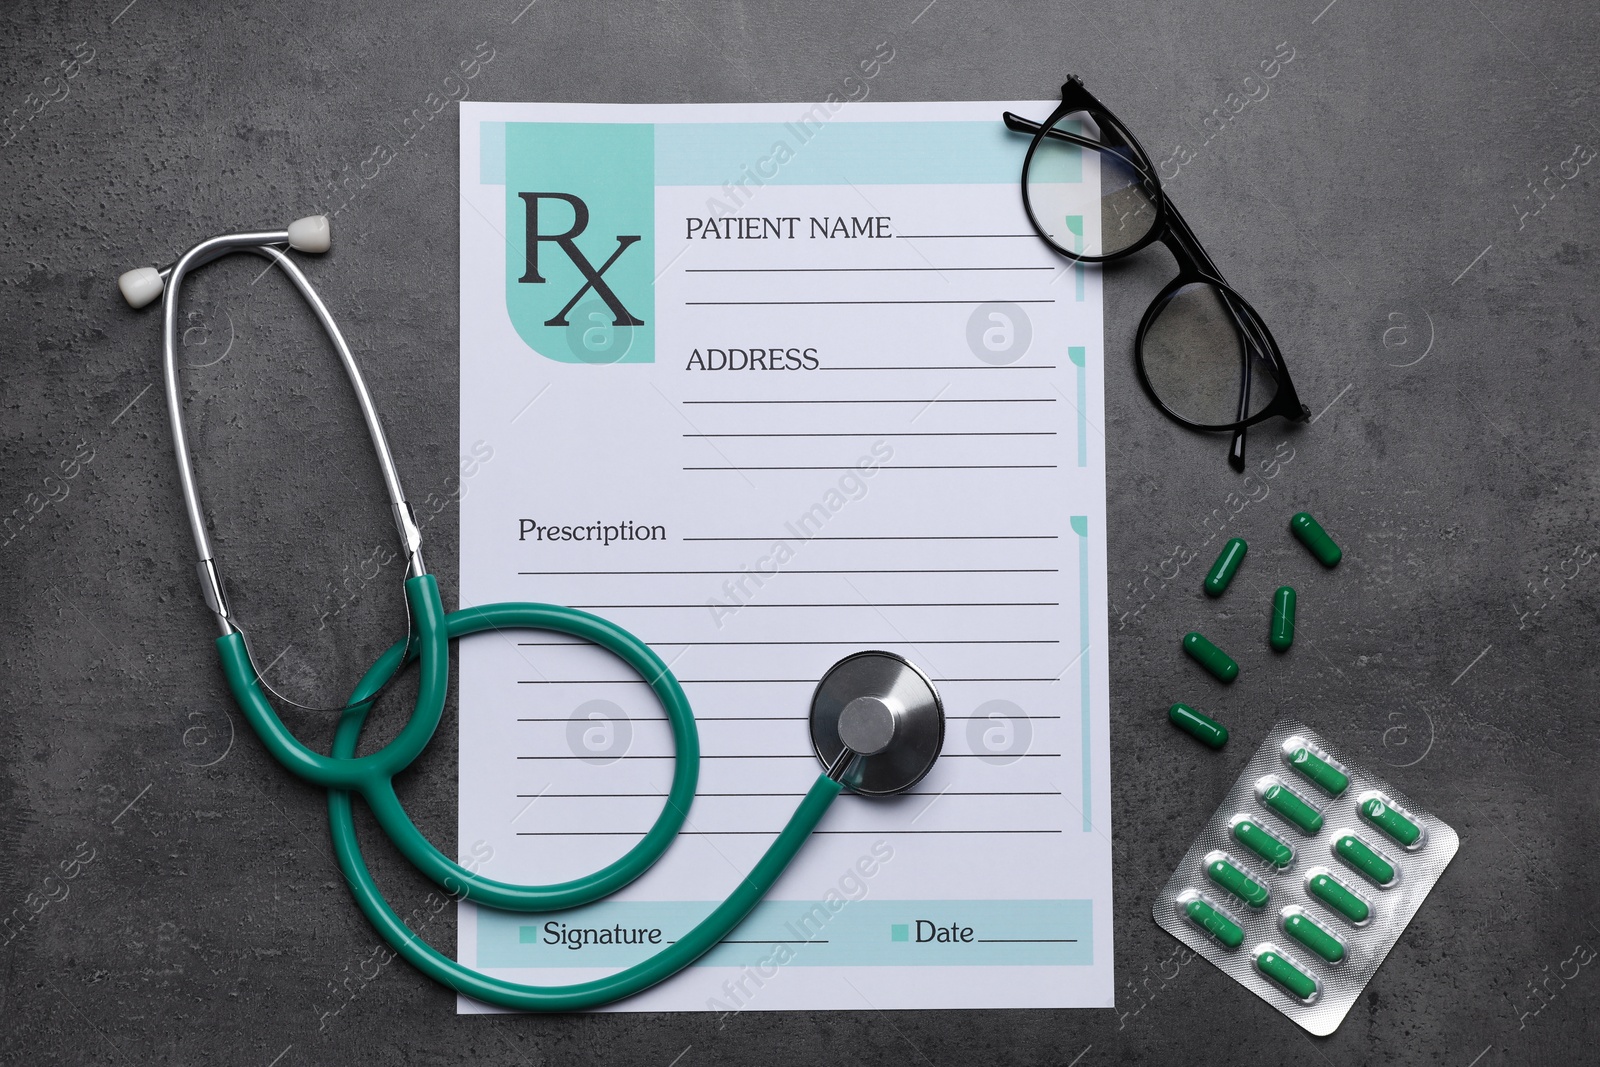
<point x="491" y="153"/>
<point x="838" y="153"/>
<point x="810" y="150"/>
<point x="832" y="933"/>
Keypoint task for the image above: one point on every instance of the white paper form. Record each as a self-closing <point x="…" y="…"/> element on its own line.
<point x="853" y="403"/>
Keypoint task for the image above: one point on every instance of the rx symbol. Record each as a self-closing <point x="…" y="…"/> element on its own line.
<point x="567" y="242"/>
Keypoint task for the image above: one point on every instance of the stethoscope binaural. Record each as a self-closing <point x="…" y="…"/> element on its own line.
<point x="876" y="722"/>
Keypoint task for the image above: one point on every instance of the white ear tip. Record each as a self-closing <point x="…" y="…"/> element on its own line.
<point x="310" y="234"/>
<point x="141" y="285"/>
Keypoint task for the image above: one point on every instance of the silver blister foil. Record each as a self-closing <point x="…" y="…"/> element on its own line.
<point x="1290" y="903"/>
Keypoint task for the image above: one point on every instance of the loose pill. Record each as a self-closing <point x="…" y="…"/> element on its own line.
<point x="1214" y="923"/>
<point x="1286" y="974"/>
<point x="1209" y="656"/>
<point x="1305" y="930"/>
<point x="1262" y="842"/>
<point x="1324" y="775"/>
<point x="1281" y="799"/>
<point x="1224" y="873"/>
<point x="1358" y="854"/>
<point x="1337" y="896"/>
<point x="1390" y="821"/>
<point x="1227" y="564"/>
<point x="1281" y="636"/>
<point x="1197" y="725"/>
<point x="1314" y="537"/>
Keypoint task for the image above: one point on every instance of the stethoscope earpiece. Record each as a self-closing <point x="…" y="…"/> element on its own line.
<point x="311" y="234"/>
<point x="143" y="286"/>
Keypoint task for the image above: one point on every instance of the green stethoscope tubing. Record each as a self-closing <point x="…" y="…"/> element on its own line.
<point x="343" y="773"/>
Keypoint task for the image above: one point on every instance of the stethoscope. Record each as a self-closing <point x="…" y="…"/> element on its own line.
<point x="876" y="721"/>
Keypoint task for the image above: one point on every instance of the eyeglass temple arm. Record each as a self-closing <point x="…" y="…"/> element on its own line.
<point x="1016" y="122"/>
<point x="1236" y="446"/>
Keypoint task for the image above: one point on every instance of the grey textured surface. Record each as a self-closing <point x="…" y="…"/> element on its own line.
<point x="1381" y="177"/>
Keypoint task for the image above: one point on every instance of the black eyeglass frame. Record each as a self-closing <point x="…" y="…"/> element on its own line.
<point x="1194" y="266"/>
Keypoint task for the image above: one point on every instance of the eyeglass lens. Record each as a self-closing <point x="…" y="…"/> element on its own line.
<point x="1089" y="202"/>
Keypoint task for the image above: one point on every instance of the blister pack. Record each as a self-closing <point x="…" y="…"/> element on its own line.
<point x="1305" y="877"/>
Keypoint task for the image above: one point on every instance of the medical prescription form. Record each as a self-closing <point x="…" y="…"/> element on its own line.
<point x="769" y="384"/>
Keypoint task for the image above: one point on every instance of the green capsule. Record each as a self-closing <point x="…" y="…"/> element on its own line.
<point x="1226" y="566"/>
<point x="1198" y="726"/>
<point x="1305" y="930"/>
<point x="1286" y="974"/>
<point x="1358" y="854"/>
<point x="1224" y="873"/>
<point x="1314" y="537"/>
<point x="1281" y="636"/>
<point x="1283" y="800"/>
<point x="1209" y="656"/>
<point x="1214" y="923"/>
<point x="1330" y="779"/>
<point x="1338" y="896"/>
<point x="1390" y="821"/>
<point x="1262" y="842"/>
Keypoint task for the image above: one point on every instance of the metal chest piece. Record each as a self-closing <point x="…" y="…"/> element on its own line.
<point x="879" y="706"/>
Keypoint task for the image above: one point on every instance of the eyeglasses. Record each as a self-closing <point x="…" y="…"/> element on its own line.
<point x="1202" y="353"/>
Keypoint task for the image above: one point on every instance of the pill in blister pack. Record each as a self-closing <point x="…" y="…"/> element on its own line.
<point x="1305" y="877"/>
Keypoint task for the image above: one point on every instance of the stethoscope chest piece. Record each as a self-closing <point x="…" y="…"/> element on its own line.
<point x="881" y="707"/>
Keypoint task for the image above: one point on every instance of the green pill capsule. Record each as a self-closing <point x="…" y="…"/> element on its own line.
<point x="1281" y="799"/>
<point x="1263" y="843"/>
<point x="1286" y="974"/>
<point x="1314" y="537"/>
<point x="1330" y="779"/>
<point x="1226" y="566"/>
<point x="1305" y="930"/>
<point x="1390" y="821"/>
<point x="1281" y="636"/>
<point x="1214" y="923"/>
<point x="1198" y="726"/>
<point x="1238" y="883"/>
<point x="1209" y="656"/>
<point x="1335" y="895"/>
<point x="1359" y="855"/>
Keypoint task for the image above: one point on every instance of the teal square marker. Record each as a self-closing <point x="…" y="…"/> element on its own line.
<point x="899" y="931"/>
<point x="528" y="935"/>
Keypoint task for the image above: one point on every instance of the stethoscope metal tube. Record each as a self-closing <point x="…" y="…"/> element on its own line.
<point x="264" y="243"/>
<point x="876" y="722"/>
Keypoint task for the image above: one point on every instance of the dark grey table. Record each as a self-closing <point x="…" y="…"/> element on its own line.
<point x="1397" y="206"/>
